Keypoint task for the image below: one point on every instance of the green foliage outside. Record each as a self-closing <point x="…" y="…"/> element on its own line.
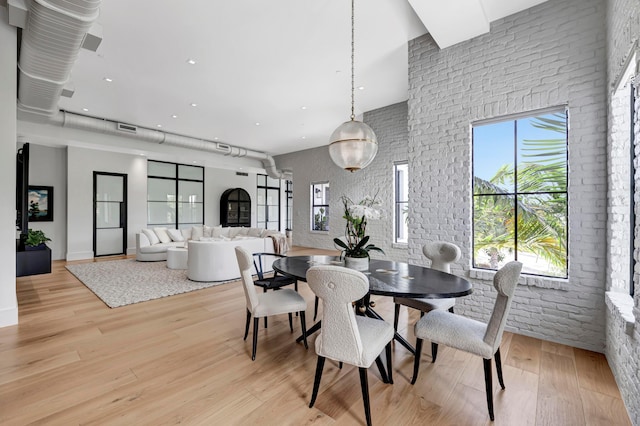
<point x="540" y="222"/>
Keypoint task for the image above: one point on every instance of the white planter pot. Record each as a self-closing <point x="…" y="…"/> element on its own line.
<point x="357" y="263"/>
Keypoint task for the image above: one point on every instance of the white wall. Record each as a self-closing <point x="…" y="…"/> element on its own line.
<point x="216" y="182"/>
<point x="81" y="165"/>
<point x="8" y="84"/>
<point x="48" y="167"/>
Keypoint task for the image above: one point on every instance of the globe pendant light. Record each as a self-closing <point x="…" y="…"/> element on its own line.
<point x="353" y="145"/>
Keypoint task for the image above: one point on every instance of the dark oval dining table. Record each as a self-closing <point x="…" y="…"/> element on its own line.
<point x="386" y="278"/>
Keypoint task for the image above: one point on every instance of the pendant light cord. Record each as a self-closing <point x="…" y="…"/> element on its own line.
<point x="353" y="115"/>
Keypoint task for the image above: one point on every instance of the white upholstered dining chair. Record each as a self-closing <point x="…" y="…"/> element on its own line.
<point x="469" y="335"/>
<point x="261" y="305"/>
<point x="442" y="255"/>
<point x="345" y="337"/>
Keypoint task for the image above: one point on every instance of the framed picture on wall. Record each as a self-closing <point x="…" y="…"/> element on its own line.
<point x="40" y="203"/>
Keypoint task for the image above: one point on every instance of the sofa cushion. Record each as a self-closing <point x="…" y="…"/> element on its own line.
<point x="186" y="233"/>
<point x="216" y="231"/>
<point x="206" y="231"/>
<point x="255" y="232"/>
<point x="162" y="234"/>
<point x="151" y="236"/>
<point x="197" y="232"/>
<point x="243" y="231"/>
<point x="175" y="234"/>
<point x="160" y="247"/>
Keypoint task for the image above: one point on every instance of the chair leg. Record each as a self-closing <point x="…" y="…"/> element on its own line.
<point x="434" y="352"/>
<point x="290" y="322"/>
<point x="488" y="385"/>
<point x="246" y="327"/>
<point x="416" y="361"/>
<point x="389" y="362"/>
<point x="340" y="365"/>
<point x="303" y="326"/>
<point x="256" y="321"/>
<point x="315" y="308"/>
<point x="316" y="382"/>
<point x="364" y="384"/>
<point x="396" y="315"/>
<point x="265" y="322"/>
<point x="499" y="367"/>
<point x="451" y="309"/>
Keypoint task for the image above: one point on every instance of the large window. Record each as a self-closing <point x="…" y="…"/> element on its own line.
<point x="520" y="193"/>
<point x="268" y="202"/>
<point x="320" y="206"/>
<point x="175" y="195"/>
<point x="401" y="180"/>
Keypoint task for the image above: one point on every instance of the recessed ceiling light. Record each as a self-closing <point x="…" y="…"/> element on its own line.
<point x="194" y="105"/>
<point x="361" y="88"/>
<point x="191" y="61"/>
<point x="85" y="109"/>
<point x="142" y="154"/>
<point x="174" y="116"/>
<point x="304" y="137"/>
<point x="216" y="138"/>
<point x="108" y="80"/>
<point x="257" y="124"/>
<point x="195" y="162"/>
<point x="158" y="125"/>
<point x="303" y="107"/>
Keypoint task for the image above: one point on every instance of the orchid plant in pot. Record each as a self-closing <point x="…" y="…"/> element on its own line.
<point x="355" y="244"/>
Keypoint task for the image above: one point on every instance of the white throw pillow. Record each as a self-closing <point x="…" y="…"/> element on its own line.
<point x="186" y="233"/>
<point x="233" y="232"/>
<point x="243" y="231"/>
<point x="175" y="235"/>
<point x="207" y="231"/>
<point x="197" y="232"/>
<point x="255" y="232"/>
<point x="151" y="236"/>
<point x="162" y="234"/>
<point x="216" y="231"/>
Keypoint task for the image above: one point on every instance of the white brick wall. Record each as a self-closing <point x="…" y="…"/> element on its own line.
<point x="315" y="165"/>
<point x="550" y="55"/>
<point x="622" y="338"/>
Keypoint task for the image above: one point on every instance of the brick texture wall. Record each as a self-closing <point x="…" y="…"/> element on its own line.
<point x="550" y="55"/>
<point x="622" y="338"/>
<point x="315" y="165"/>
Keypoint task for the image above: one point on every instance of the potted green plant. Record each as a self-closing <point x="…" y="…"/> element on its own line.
<point x="36" y="240"/>
<point x="355" y="249"/>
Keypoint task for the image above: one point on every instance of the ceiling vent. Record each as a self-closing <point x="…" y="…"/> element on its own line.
<point x="242" y="174"/>
<point x="129" y="128"/>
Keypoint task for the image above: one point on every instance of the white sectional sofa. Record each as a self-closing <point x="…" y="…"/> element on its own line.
<point x="152" y="244"/>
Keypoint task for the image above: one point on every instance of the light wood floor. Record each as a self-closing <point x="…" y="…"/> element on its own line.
<point x="72" y="360"/>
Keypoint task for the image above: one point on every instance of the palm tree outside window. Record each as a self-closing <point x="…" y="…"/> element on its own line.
<point x="520" y="206"/>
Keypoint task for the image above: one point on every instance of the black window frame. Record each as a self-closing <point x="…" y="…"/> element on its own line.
<point x="327" y="199"/>
<point x="266" y="188"/>
<point x="514" y="195"/>
<point x="177" y="180"/>
<point x="398" y="205"/>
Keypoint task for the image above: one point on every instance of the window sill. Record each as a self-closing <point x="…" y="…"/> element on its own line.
<point x="318" y="232"/>
<point x="404" y="246"/>
<point x="622" y="305"/>
<point x="528" y="280"/>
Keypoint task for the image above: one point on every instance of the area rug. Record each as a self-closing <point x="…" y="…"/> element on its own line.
<point x="123" y="282"/>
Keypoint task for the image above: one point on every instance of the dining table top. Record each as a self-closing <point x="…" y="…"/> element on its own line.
<point x="386" y="277"/>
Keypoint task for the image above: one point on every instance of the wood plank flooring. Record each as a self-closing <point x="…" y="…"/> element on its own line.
<point x="72" y="360"/>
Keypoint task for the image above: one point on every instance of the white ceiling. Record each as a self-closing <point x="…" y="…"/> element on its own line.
<point x="260" y="62"/>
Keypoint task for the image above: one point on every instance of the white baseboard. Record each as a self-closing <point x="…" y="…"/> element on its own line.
<point x="131" y="251"/>
<point x="9" y="316"/>
<point x="79" y="255"/>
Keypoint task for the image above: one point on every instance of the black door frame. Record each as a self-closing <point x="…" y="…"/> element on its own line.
<point x="123" y="211"/>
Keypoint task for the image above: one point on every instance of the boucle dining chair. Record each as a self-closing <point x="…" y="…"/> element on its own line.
<point x="469" y="335"/>
<point x="261" y="305"/>
<point x="442" y="255"/>
<point x="345" y="337"/>
<point x="261" y="263"/>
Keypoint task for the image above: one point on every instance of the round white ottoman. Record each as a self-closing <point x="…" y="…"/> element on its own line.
<point x="177" y="258"/>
